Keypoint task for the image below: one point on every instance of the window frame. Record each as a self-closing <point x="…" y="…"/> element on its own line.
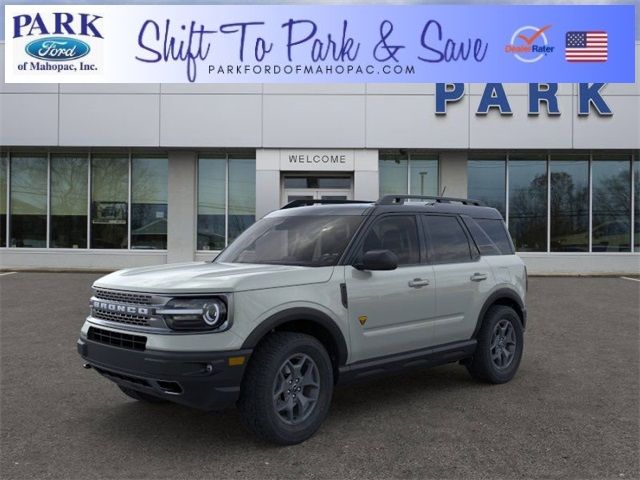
<point x="408" y="156"/>
<point x="89" y="153"/>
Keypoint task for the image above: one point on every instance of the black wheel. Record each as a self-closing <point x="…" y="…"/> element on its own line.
<point x="500" y="344"/>
<point x="141" y="396"/>
<point x="287" y="388"/>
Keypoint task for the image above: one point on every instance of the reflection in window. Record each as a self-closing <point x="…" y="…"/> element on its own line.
<point x="528" y="203"/>
<point x="211" y="203"/>
<point x="3" y="200"/>
<point x="399" y="171"/>
<point x="449" y="243"/>
<point x="68" y="201"/>
<point x="569" y="203"/>
<point x="486" y="181"/>
<point x="28" y="201"/>
<point x="242" y="195"/>
<point x="423" y="175"/>
<point x="611" y="224"/>
<point x="109" y="201"/>
<point x="636" y="191"/>
<point x="149" y="183"/>
<point x="393" y="174"/>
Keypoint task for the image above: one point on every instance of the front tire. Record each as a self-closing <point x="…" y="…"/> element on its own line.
<point x="500" y="344"/>
<point x="287" y="388"/>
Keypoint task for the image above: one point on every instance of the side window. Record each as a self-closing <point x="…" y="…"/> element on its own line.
<point x="396" y="233"/>
<point x="497" y="232"/>
<point x="449" y="243"/>
<point x="484" y="243"/>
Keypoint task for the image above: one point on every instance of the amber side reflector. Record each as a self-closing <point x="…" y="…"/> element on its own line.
<point x="236" y="361"/>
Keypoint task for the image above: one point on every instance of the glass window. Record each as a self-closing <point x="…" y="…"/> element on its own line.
<point x="569" y="203"/>
<point x="3" y="200"/>
<point x="397" y="234"/>
<point x="393" y="174"/>
<point x="485" y="245"/>
<point x="423" y="174"/>
<point x="211" y="203"/>
<point x="109" y="201"/>
<point x="447" y="240"/>
<point x="28" y="201"/>
<point x="68" y="201"/>
<point x="528" y="202"/>
<point x="486" y="181"/>
<point x="611" y="210"/>
<point x="498" y="233"/>
<point x="149" y="184"/>
<point x="242" y="195"/>
<point x="636" y="192"/>
<point x="312" y="241"/>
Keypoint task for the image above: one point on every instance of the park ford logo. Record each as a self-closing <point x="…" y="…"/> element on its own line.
<point x="117" y="308"/>
<point x="57" y="49"/>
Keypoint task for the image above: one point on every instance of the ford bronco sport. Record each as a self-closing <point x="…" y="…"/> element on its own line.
<point x="311" y="296"/>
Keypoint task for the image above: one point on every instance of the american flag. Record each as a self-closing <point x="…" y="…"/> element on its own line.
<point x="586" y="47"/>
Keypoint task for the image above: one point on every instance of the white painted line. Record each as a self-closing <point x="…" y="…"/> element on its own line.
<point x="7" y="273"/>
<point x="632" y="279"/>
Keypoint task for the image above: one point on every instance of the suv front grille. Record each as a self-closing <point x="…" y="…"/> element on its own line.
<point x="125" y="297"/>
<point x="117" y="339"/>
<point x="121" y="317"/>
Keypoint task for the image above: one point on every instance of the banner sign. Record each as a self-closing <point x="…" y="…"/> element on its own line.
<point x="319" y="44"/>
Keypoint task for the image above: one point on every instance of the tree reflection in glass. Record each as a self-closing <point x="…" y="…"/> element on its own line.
<point x="569" y="203"/>
<point x="528" y="203"/>
<point x="611" y="225"/>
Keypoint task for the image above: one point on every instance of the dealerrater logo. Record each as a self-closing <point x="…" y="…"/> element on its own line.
<point x="57" y="40"/>
<point x="529" y="44"/>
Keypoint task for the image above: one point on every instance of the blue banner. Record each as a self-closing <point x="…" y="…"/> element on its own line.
<point x="319" y="44"/>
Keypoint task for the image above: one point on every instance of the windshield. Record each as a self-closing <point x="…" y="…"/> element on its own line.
<point x="310" y="241"/>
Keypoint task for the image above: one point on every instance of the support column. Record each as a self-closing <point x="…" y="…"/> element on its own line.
<point x="453" y="174"/>
<point x="267" y="181"/>
<point x="365" y="176"/>
<point x="182" y="215"/>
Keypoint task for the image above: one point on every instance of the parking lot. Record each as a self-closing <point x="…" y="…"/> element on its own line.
<point x="571" y="412"/>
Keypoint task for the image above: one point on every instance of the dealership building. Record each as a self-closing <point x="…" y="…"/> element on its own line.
<point x="102" y="177"/>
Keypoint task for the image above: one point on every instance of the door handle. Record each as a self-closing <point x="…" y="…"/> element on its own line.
<point x="418" y="282"/>
<point x="478" y="277"/>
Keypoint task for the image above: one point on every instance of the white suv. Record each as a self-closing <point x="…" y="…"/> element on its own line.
<point x="313" y="295"/>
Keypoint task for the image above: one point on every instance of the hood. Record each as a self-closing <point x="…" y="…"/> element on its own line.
<point x="205" y="277"/>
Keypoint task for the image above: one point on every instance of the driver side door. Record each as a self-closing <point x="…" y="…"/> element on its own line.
<point x="391" y="311"/>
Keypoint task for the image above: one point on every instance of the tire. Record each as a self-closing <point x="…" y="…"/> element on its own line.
<point x="500" y="345"/>
<point x="140" y="396"/>
<point x="286" y="365"/>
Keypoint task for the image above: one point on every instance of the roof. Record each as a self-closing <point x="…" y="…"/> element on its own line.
<point x="366" y="207"/>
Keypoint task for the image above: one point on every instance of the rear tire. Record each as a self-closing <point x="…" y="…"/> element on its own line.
<point x="140" y="396"/>
<point x="500" y="345"/>
<point x="287" y="388"/>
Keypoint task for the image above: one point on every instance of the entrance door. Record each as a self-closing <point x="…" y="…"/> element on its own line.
<point x="316" y="188"/>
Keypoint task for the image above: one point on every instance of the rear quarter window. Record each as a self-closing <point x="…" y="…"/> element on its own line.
<point x="497" y="232"/>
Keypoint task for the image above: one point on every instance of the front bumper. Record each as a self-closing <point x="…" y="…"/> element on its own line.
<point x="203" y="380"/>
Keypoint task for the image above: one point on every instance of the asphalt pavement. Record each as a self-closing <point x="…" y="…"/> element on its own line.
<point x="572" y="411"/>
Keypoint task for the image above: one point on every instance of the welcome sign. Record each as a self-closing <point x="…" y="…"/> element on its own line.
<point x="319" y="44"/>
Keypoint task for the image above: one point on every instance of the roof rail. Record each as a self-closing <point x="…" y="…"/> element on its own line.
<point x="302" y="202"/>
<point x="400" y="199"/>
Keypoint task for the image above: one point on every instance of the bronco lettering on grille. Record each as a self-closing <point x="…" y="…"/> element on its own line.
<point x="114" y="307"/>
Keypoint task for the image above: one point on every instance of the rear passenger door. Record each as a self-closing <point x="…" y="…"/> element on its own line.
<point x="462" y="277"/>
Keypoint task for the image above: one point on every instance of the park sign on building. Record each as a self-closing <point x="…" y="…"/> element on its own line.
<point x="495" y="97"/>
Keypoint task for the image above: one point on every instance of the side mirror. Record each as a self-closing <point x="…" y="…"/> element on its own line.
<point x="378" y="260"/>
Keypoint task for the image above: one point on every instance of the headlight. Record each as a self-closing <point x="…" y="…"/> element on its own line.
<point x="195" y="314"/>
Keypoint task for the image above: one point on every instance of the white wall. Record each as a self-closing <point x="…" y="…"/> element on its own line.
<point x="303" y="116"/>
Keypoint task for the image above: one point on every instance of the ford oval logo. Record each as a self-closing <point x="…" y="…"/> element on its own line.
<point x="57" y="49"/>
